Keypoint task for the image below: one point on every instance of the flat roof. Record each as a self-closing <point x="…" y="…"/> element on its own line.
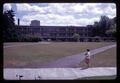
<point x="52" y="26"/>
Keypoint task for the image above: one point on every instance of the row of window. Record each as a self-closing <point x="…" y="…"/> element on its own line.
<point x="53" y="29"/>
<point x="83" y="31"/>
<point x="55" y="34"/>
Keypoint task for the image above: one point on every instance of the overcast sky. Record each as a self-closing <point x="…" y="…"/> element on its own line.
<point x="61" y="14"/>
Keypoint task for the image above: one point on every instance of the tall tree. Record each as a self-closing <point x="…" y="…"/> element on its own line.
<point x="96" y="29"/>
<point x="112" y="29"/>
<point x="9" y="31"/>
<point x="104" y="24"/>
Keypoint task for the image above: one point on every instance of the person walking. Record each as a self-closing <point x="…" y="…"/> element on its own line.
<point x="87" y="57"/>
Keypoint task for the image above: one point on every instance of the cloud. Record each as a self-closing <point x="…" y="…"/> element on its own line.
<point x="54" y="19"/>
<point x="27" y="8"/>
<point x="15" y="20"/>
<point x="23" y="7"/>
<point x="111" y="12"/>
<point x="7" y="6"/>
<point x="75" y="14"/>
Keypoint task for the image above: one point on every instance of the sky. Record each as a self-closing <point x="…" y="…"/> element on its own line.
<point x="61" y="14"/>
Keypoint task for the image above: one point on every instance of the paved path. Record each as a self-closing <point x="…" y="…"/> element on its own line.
<point x="56" y="73"/>
<point x="7" y="45"/>
<point x="71" y="61"/>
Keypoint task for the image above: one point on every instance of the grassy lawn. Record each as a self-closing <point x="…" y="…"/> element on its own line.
<point x="98" y="78"/>
<point x="22" y="56"/>
<point x="103" y="59"/>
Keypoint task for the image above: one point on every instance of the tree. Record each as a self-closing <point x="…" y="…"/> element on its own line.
<point x="76" y="36"/>
<point x="9" y="30"/>
<point x="111" y="32"/>
<point x="96" y="29"/>
<point x="30" y="37"/>
<point x="104" y="24"/>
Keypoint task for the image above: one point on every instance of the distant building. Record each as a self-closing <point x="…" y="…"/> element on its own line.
<point x="35" y="23"/>
<point x="56" y="32"/>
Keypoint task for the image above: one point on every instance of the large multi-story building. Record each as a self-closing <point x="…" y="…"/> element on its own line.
<point x="56" y="32"/>
<point x="51" y="32"/>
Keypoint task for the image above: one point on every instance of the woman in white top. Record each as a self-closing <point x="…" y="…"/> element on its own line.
<point x="87" y="57"/>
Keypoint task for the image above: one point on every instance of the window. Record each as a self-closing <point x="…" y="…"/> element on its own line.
<point x="62" y="29"/>
<point x="71" y="29"/>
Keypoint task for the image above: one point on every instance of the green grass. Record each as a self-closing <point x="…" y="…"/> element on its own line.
<point x="43" y="53"/>
<point x="103" y="59"/>
<point x="98" y="78"/>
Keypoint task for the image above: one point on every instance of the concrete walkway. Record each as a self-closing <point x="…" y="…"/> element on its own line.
<point x="56" y="73"/>
<point x="70" y="61"/>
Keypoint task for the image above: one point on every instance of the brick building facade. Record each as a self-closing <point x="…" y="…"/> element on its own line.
<point x="64" y="33"/>
<point x="50" y="32"/>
